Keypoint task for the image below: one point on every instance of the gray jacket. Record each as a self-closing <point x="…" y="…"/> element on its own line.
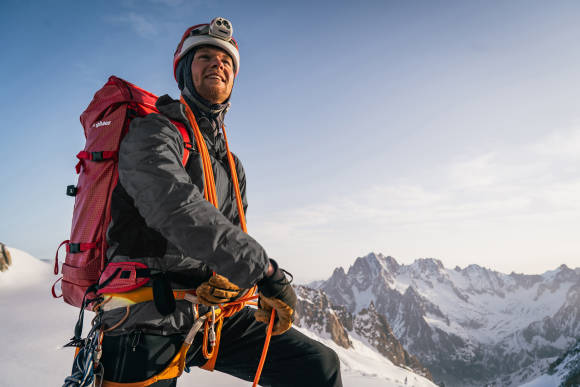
<point x="160" y="216"/>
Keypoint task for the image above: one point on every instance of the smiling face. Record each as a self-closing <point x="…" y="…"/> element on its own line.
<point x="212" y="72"/>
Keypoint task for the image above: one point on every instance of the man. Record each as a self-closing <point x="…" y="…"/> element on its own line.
<point x="161" y="219"/>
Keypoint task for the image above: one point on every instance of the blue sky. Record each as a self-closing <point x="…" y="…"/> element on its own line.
<point x="445" y="129"/>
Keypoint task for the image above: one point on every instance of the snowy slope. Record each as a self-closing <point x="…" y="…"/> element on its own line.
<point x="565" y="371"/>
<point x="34" y="326"/>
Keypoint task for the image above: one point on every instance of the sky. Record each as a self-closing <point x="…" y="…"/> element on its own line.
<point x="418" y="129"/>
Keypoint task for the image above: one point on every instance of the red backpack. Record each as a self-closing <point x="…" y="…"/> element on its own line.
<point x="105" y="121"/>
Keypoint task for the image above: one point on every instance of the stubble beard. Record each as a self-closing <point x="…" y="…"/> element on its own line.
<point x="214" y="94"/>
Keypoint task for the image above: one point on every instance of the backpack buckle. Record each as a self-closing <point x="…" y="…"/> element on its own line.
<point x="97" y="156"/>
<point x="74" y="248"/>
<point x="71" y="190"/>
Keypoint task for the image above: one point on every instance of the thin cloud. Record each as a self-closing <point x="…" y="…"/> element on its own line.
<point x="474" y="173"/>
<point x="520" y="187"/>
<point x="562" y="144"/>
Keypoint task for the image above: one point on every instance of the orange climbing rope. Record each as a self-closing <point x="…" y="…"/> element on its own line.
<point x="211" y="196"/>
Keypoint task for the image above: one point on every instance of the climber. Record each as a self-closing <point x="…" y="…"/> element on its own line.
<point x="186" y="225"/>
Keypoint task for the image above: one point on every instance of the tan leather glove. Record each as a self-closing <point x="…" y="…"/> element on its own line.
<point x="276" y="293"/>
<point x="284" y="314"/>
<point x="217" y="290"/>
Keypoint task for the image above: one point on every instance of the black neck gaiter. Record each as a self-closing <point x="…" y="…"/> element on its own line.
<point x="210" y="117"/>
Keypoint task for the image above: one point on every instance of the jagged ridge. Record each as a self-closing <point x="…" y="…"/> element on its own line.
<point x="468" y="326"/>
<point x="315" y="312"/>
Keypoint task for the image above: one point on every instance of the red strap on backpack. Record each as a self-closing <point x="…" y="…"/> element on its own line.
<point x="95" y="156"/>
<point x="187" y="145"/>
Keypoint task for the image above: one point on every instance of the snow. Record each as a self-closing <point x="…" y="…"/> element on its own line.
<point x="496" y="308"/>
<point x="35" y="326"/>
<point x="363" y="298"/>
<point x="562" y="370"/>
<point x="544" y="381"/>
<point x="485" y="308"/>
<point x="362" y="362"/>
<point x="24" y="271"/>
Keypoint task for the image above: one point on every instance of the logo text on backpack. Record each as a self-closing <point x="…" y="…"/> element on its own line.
<point x="101" y="123"/>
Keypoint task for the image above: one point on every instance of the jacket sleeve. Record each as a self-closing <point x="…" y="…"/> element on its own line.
<point x="151" y="172"/>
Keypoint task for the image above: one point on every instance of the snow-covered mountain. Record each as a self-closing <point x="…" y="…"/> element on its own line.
<point x="564" y="372"/>
<point x="316" y="313"/>
<point x="470" y="326"/>
<point x="34" y="326"/>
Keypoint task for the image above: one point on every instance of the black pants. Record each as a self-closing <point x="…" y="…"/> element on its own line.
<point x="293" y="358"/>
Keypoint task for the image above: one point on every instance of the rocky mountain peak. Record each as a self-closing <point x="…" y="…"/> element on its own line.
<point x="366" y="270"/>
<point x="338" y="274"/>
<point x="429" y="265"/>
<point x="376" y="330"/>
<point x="377" y="262"/>
<point x="524" y="280"/>
<point x="315" y="312"/>
<point x="564" y="273"/>
<point x="392" y="265"/>
<point x="366" y="264"/>
<point x="473" y="268"/>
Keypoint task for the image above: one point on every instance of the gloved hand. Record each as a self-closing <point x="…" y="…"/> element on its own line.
<point x="217" y="290"/>
<point x="276" y="293"/>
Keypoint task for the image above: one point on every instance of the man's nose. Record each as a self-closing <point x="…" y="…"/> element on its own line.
<point x="216" y="62"/>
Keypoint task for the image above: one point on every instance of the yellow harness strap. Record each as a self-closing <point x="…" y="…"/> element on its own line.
<point x="142" y="294"/>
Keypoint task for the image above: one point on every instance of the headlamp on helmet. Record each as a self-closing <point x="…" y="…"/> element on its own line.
<point x="221" y="28"/>
<point x="218" y="33"/>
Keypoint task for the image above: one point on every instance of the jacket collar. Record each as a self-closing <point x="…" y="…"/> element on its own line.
<point x="210" y="118"/>
<point x="208" y="123"/>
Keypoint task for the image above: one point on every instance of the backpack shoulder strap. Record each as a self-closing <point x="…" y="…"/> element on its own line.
<point x="187" y="145"/>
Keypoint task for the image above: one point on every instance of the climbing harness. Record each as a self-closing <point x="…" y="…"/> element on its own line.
<point x="87" y="369"/>
<point x="207" y="321"/>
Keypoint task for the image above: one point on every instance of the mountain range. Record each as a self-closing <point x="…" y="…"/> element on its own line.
<point x="470" y="326"/>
